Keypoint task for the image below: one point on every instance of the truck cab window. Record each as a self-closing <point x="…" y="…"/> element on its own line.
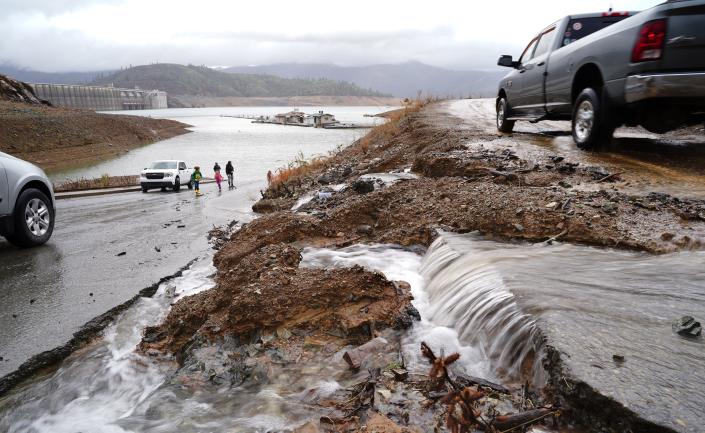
<point x="528" y="53"/>
<point x="546" y="42"/>
<point x="182" y="166"/>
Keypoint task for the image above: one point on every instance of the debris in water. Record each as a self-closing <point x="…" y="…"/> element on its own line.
<point x="618" y="358"/>
<point x="687" y="326"/>
<point x="120" y="254"/>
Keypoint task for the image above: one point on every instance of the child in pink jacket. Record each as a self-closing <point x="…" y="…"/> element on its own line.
<point x="219" y="180"/>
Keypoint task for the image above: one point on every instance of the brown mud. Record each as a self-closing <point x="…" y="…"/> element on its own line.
<point x="462" y="179"/>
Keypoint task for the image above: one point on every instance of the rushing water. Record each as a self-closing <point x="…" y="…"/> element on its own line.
<point x="483" y="299"/>
<point x="217" y="138"/>
<point x="590" y="304"/>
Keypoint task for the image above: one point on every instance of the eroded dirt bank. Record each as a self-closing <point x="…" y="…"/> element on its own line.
<point x="57" y="138"/>
<point x="438" y="173"/>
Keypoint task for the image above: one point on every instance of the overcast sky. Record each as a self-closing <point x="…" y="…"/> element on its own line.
<point x="86" y="35"/>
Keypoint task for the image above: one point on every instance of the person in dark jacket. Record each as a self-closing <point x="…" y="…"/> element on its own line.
<point x="216" y="167"/>
<point x="230" y="172"/>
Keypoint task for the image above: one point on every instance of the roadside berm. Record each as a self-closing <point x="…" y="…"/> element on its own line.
<point x="421" y="172"/>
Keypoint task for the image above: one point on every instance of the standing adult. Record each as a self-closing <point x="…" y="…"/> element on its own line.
<point x="230" y="171"/>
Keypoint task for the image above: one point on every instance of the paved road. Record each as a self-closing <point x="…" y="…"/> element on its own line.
<point x="46" y="291"/>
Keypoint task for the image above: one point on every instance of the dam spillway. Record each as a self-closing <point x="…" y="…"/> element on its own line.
<point x="100" y="98"/>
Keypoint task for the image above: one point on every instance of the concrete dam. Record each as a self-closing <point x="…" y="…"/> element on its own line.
<point x="100" y="98"/>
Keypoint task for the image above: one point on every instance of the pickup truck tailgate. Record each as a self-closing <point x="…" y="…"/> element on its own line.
<point x="685" y="37"/>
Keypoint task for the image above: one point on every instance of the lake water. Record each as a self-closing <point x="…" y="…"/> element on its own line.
<point x="253" y="148"/>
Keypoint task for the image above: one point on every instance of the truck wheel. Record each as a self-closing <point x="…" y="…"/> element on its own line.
<point x="189" y="184"/>
<point x="33" y="219"/>
<point x="590" y="126"/>
<point x="144" y="188"/>
<point x="177" y="184"/>
<point x="504" y="125"/>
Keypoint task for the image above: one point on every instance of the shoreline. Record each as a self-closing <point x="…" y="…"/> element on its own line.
<point x="58" y="139"/>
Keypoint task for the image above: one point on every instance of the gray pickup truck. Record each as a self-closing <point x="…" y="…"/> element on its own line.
<point x="605" y="70"/>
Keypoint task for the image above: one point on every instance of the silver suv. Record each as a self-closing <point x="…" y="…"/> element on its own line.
<point x="26" y="202"/>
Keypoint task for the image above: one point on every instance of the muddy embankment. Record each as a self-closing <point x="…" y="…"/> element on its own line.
<point x="267" y="311"/>
<point x="58" y="138"/>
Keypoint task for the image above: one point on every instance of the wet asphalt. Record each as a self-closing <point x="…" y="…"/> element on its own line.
<point x="671" y="163"/>
<point x="50" y="292"/>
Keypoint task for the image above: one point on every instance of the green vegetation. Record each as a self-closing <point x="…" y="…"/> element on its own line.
<point x="204" y="81"/>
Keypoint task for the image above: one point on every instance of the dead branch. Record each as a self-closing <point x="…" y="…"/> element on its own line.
<point x="609" y="176"/>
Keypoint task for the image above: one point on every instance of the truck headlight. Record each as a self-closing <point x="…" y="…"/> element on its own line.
<point x="168" y="174"/>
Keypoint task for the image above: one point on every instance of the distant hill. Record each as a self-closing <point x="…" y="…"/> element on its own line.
<point x="207" y="82"/>
<point x="401" y="80"/>
<point x="30" y="76"/>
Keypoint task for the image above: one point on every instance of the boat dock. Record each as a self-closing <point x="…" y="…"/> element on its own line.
<point x="301" y="119"/>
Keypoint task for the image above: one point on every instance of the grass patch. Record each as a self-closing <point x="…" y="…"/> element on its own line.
<point x="299" y="167"/>
<point x="391" y="128"/>
<point x="104" y="181"/>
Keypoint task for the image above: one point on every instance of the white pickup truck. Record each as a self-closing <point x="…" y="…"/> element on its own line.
<point x="166" y="174"/>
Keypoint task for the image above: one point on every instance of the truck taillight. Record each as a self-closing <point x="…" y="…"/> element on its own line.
<point x="649" y="44"/>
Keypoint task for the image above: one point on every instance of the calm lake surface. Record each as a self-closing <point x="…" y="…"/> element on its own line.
<point x="253" y="148"/>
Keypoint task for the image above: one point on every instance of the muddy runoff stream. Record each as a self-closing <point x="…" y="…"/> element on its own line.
<point x="488" y="301"/>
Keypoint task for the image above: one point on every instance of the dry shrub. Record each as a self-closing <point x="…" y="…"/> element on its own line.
<point x="296" y="169"/>
<point x="391" y="128"/>
<point x="104" y="181"/>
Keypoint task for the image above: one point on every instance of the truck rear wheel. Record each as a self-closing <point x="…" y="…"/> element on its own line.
<point x="504" y="125"/>
<point x="590" y="126"/>
<point x="177" y="184"/>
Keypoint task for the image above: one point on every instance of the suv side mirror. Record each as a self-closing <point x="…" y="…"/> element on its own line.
<point x="507" y="61"/>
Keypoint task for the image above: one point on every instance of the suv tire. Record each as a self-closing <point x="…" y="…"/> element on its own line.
<point x="189" y="184"/>
<point x="590" y="125"/>
<point x="504" y="125"/>
<point x="33" y="219"/>
<point x="177" y="184"/>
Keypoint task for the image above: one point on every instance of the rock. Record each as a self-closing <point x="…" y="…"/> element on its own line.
<point x="610" y="207"/>
<point x="400" y="375"/>
<point x="564" y="184"/>
<point x="552" y="205"/>
<point x="667" y="236"/>
<point x="381" y="424"/>
<point x="340" y="235"/>
<point x="364" y="229"/>
<point x="363" y="186"/>
<point x="120" y="254"/>
<point x="385" y="394"/>
<point x="519" y="227"/>
<point x="687" y="326"/>
<point x="32" y="301"/>
<point x="283" y="333"/>
<point x="309" y="427"/>
<point x="357" y="356"/>
<point x="618" y="358"/>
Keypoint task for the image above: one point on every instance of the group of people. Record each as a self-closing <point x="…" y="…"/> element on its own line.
<point x="196" y="177"/>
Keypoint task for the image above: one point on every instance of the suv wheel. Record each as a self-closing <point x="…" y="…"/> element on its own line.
<point x="189" y="184"/>
<point x="504" y="125"/>
<point x="33" y="219"/>
<point x="177" y="184"/>
<point x="590" y="126"/>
